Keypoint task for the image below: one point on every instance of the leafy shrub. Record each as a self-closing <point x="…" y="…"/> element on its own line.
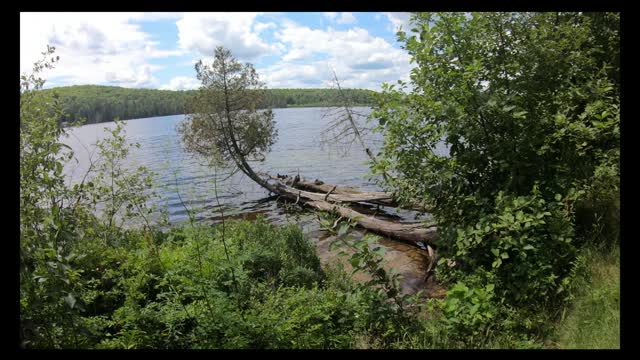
<point x="508" y="132"/>
<point x="468" y="312"/>
<point x="527" y="243"/>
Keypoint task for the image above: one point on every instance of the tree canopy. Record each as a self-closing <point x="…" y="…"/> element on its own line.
<point x="225" y="124"/>
<point x="528" y="106"/>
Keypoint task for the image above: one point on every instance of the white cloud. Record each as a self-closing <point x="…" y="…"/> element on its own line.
<point x="340" y="18"/>
<point x="141" y="76"/>
<point x="112" y="48"/>
<point x="181" y="83"/>
<point x="94" y="48"/>
<point x="282" y="75"/>
<point x="346" y="18"/>
<point x="360" y="59"/>
<point x="330" y="15"/>
<point x="155" y="16"/>
<point x="298" y="54"/>
<point x="397" y="20"/>
<point x="260" y="27"/>
<point x="202" y="32"/>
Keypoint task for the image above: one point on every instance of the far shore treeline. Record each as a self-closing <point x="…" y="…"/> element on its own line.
<point x="96" y="103"/>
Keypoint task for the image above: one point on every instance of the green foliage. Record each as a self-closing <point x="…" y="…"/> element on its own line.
<point x="123" y="191"/>
<point x="531" y="122"/>
<point x="224" y="123"/>
<point x="390" y="308"/>
<point x="96" y="103"/>
<point x="136" y="299"/>
<point x="515" y="101"/>
<point x="592" y="320"/>
<point x="316" y="318"/>
<point x="283" y="98"/>
<point x="527" y="242"/>
<point x="469" y="312"/>
<point x="49" y="282"/>
<point x="511" y="135"/>
<point x="58" y="222"/>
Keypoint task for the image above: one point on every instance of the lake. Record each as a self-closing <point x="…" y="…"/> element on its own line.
<point x="298" y="149"/>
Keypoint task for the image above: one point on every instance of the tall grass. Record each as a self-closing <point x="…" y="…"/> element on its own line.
<point x="593" y="320"/>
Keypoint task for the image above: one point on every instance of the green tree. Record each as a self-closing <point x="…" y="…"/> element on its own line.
<point x="58" y="222"/>
<point x="528" y="106"/>
<point x="225" y="125"/>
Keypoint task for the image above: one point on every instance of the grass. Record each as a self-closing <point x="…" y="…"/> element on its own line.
<point x="593" y="320"/>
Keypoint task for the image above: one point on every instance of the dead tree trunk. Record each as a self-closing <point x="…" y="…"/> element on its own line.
<point x="374" y="197"/>
<point x="412" y="233"/>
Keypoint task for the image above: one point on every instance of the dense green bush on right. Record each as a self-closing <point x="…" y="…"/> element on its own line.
<point x="527" y="106"/>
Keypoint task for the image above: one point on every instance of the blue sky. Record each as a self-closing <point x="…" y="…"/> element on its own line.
<point x="159" y="50"/>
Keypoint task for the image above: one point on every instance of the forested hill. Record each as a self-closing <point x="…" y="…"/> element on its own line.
<point x="104" y="103"/>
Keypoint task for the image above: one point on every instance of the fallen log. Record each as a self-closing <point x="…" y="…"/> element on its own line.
<point x="333" y="197"/>
<point x="416" y="234"/>
<point x="412" y="233"/>
<point x="374" y="197"/>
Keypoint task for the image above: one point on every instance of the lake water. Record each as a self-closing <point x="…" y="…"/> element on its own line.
<point x="298" y="149"/>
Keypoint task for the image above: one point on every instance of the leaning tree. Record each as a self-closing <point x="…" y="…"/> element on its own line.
<point x="226" y="127"/>
<point x="225" y="124"/>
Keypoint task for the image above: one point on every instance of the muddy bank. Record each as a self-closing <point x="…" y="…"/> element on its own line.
<point x="409" y="261"/>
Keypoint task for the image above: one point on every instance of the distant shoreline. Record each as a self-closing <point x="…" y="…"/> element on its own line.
<point x="99" y="104"/>
<point x="71" y="123"/>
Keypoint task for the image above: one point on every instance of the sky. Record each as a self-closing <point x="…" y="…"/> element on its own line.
<point x="159" y="50"/>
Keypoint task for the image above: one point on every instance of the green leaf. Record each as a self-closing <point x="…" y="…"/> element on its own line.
<point x="334" y="245"/>
<point x="355" y="261"/>
<point x="343" y="229"/>
<point x="520" y="114"/>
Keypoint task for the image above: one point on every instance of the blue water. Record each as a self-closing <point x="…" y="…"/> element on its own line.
<point x="298" y="149"/>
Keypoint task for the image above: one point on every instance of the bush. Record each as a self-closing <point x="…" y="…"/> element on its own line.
<point x="527" y="243"/>
<point x="531" y="125"/>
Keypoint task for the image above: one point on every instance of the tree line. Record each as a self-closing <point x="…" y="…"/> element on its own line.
<point x="96" y="103"/>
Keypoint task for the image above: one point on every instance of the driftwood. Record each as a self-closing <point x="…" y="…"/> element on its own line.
<point x="373" y="197"/>
<point x="343" y="198"/>
<point x="412" y="233"/>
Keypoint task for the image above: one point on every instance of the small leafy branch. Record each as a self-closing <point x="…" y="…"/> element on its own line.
<point x="366" y="258"/>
